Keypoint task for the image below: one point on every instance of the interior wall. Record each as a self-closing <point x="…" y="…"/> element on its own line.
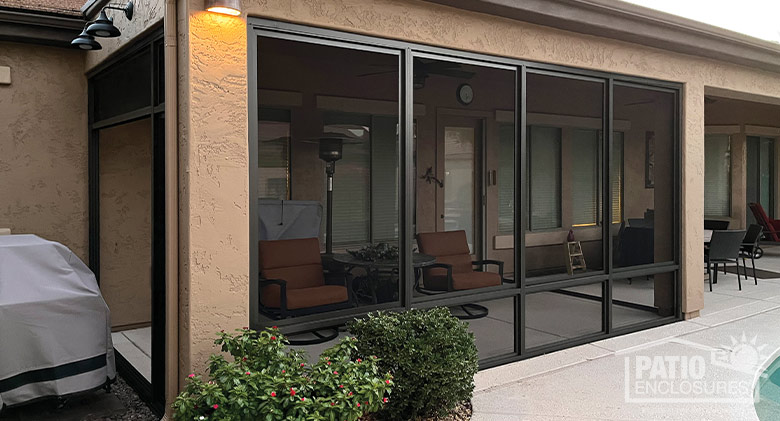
<point x="43" y="144"/>
<point x="125" y="223"/>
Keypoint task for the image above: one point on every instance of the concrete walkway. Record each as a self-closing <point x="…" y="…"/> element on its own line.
<point x="639" y="376"/>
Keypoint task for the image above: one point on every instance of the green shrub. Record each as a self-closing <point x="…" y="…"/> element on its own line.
<point x="266" y="381"/>
<point x="431" y="355"/>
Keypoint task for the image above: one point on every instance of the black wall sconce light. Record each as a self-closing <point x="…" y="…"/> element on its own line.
<point x="102" y="27"/>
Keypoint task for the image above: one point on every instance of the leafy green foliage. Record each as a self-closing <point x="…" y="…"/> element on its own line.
<point x="267" y="381"/>
<point x="431" y="354"/>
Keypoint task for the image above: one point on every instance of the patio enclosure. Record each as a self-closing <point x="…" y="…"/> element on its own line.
<point x="426" y="140"/>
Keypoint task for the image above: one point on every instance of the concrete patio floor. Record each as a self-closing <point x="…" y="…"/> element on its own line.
<point x="588" y="382"/>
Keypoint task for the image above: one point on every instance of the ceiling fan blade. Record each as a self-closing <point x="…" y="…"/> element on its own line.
<point x="461" y="74"/>
<point x="384" y="72"/>
<point x="649" y="101"/>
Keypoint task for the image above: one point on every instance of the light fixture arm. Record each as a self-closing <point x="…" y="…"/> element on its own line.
<point x="127" y="8"/>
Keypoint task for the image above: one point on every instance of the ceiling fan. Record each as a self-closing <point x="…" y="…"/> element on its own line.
<point x="424" y="68"/>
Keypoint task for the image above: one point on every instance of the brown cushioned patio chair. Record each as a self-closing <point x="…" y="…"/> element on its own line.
<point x="292" y="281"/>
<point x="454" y="270"/>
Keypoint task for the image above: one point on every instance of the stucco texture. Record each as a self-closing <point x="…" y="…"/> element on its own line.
<point x="126" y="223"/>
<point x="43" y="144"/>
<point x="214" y="292"/>
<point x="213" y="93"/>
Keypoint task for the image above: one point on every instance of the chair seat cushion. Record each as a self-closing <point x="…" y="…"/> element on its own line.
<point x="305" y="297"/>
<point x="466" y="280"/>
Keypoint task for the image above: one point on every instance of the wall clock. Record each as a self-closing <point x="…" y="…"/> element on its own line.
<point x="465" y="94"/>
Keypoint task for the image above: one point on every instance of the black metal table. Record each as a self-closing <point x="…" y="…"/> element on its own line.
<point x="377" y="268"/>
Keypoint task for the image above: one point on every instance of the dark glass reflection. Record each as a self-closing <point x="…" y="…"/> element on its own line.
<point x="327" y="178"/>
<point x="464" y="169"/>
<point x="568" y="313"/>
<point x="564" y="180"/>
<point x="642" y="298"/>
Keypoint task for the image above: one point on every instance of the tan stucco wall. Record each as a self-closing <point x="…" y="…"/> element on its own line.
<point x="214" y="229"/>
<point x="126" y="223"/>
<point x="43" y="144"/>
<point x="147" y="14"/>
<point x="214" y="110"/>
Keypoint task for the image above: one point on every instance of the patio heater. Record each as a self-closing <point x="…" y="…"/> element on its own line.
<point x="331" y="149"/>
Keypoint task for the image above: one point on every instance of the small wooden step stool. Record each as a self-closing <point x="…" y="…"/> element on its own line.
<point x="575" y="260"/>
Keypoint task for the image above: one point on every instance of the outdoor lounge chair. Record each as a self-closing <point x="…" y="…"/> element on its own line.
<point x="454" y="269"/>
<point x="292" y="281"/>
<point x="771" y="226"/>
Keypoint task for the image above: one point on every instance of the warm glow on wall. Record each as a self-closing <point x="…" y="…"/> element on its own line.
<point x="225" y="7"/>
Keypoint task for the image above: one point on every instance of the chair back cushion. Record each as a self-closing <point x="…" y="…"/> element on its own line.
<point x="725" y="245"/>
<point x="450" y="247"/>
<point x="296" y="261"/>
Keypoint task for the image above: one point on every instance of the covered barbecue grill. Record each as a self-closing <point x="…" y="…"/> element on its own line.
<point x="55" y="332"/>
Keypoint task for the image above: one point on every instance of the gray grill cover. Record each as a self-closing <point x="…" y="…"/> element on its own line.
<point x="289" y="219"/>
<point x="55" y="332"/>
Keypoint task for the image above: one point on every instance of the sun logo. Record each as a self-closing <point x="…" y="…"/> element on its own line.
<point x="742" y="354"/>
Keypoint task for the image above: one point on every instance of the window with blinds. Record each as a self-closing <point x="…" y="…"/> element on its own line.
<point x="274" y="154"/>
<point x="616" y="171"/>
<point x="717" y="175"/>
<point x="384" y="179"/>
<point x="584" y="172"/>
<point x="544" y="167"/>
<point x="506" y="178"/>
<point x="365" y="186"/>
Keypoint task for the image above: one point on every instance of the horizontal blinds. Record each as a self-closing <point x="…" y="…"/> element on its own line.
<point x="351" y="183"/>
<point x="384" y="179"/>
<point x="544" y="163"/>
<point x="274" y="154"/>
<point x="717" y="175"/>
<point x="616" y="169"/>
<point x="584" y="159"/>
<point x="506" y="178"/>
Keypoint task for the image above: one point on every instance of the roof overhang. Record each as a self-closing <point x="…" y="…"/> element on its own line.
<point x="628" y="22"/>
<point x="37" y="28"/>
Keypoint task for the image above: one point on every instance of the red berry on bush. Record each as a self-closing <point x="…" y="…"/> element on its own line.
<point x="215" y="406"/>
<point x="273" y="394"/>
<point x="292" y="392"/>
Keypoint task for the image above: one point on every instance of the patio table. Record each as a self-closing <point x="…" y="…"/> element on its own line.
<point x="375" y="268"/>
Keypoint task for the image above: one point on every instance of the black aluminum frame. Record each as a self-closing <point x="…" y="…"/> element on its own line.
<point x="259" y="28"/>
<point x="153" y="393"/>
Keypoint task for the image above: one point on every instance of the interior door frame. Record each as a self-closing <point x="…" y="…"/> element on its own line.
<point x="478" y="119"/>
<point x="152" y="392"/>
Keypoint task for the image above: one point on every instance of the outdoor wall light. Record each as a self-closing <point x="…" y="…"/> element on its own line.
<point x="225" y="7"/>
<point x="86" y="41"/>
<point x="103" y="27"/>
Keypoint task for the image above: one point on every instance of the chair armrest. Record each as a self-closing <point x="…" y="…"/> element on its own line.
<point x="483" y="263"/>
<point x="282" y="293"/>
<point x="449" y="272"/>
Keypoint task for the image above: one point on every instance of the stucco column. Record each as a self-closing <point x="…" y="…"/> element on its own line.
<point x="738" y="181"/>
<point x="692" y="215"/>
<point x="213" y="121"/>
